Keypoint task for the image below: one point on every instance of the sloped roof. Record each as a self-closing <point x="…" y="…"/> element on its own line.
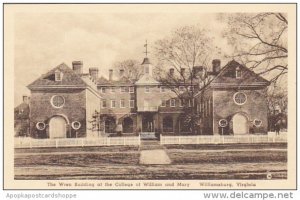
<point x="122" y="81"/>
<point x="248" y="77"/>
<point x="70" y="78"/>
<point x="146" y="79"/>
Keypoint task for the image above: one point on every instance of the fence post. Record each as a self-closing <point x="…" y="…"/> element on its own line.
<point x="82" y="143"/>
<point x="56" y="143"/>
<point x="124" y="141"/>
<point x="161" y="139"/>
<point x="223" y="141"/>
<point x="197" y="140"/>
<point x="30" y="144"/>
<point x="179" y="140"/>
<point x="108" y="141"/>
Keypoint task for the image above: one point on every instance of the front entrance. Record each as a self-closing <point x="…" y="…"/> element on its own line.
<point x="148" y="122"/>
<point x="240" y="124"/>
<point x="57" y="127"/>
<point x="127" y="125"/>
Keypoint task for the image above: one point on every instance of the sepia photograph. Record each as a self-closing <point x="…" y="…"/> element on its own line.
<point x="150" y="96"/>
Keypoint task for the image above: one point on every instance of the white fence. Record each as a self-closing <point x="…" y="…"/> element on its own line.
<point x="223" y="139"/>
<point x="76" y="142"/>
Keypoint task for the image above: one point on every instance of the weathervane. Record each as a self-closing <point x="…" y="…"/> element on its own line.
<point x="146" y="46"/>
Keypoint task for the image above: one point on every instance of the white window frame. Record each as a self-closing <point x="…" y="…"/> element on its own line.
<point x="122" y="87"/>
<point x="181" y="103"/>
<point x="131" y="103"/>
<point x="147" y="89"/>
<point x="112" y="90"/>
<point x="60" y="75"/>
<point x="131" y="89"/>
<point x="103" y="90"/>
<point x="237" y="102"/>
<point x="171" y="103"/>
<point x="122" y="106"/>
<point x="105" y="103"/>
<point x="111" y="103"/>
<point x="54" y="106"/>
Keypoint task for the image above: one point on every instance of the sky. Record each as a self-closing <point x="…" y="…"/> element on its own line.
<point x="44" y="40"/>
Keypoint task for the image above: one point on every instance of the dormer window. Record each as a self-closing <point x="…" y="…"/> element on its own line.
<point x="58" y="75"/>
<point x="238" y="72"/>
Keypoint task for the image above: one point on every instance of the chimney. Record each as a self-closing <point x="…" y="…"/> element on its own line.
<point x="216" y="65"/>
<point x="25" y="99"/>
<point x="94" y="72"/>
<point x="121" y="73"/>
<point x="77" y="67"/>
<point x="110" y="75"/>
<point x="171" y="72"/>
<point x="182" y="71"/>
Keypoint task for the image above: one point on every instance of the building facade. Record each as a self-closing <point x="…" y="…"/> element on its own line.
<point x="233" y="102"/>
<point x="67" y="103"/>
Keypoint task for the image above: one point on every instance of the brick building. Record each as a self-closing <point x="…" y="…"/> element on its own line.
<point x="63" y="103"/>
<point x="234" y="101"/>
<point x="68" y="103"/>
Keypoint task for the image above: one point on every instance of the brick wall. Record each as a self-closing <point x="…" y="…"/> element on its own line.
<point x="73" y="109"/>
<point x="225" y="107"/>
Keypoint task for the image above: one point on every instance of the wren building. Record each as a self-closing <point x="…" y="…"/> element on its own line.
<point x="67" y="103"/>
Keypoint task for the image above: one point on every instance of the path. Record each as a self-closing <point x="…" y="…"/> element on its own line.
<point x="152" y="153"/>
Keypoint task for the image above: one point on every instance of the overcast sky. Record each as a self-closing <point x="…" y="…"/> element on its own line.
<point x="44" y="40"/>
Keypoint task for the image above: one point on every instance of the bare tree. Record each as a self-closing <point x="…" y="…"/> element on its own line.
<point x="188" y="51"/>
<point x="259" y="41"/>
<point x="132" y="68"/>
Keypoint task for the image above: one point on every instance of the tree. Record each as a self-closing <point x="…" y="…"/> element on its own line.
<point x="132" y="68"/>
<point x="188" y="51"/>
<point x="259" y="41"/>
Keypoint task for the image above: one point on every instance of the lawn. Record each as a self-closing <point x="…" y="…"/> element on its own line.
<point x="187" y="162"/>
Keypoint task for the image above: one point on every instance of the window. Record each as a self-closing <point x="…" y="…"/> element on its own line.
<point x="173" y="103"/>
<point x="147" y="89"/>
<point x="103" y="90"/>
<point x="131" y="103"/>
<point x="238" y="72"/>
<point x="113" y="103"/>
<point x="104" y="104"/>
<point x="122" y="103"/>
<point x="162" y="89"/>
<point x="240" y="98"/>
<point x="223" y="123"/>
<point x="123" y="89"/>
<point x="112" y="89"/>
<point x="57" y="101"/>
<point x="131" y="89"/>
<point x="181" y="102"/>
<point x="257" y="122"/>
<point x="58" y="75"/>
<point x="190" y="103"/>
<point x="163" y="103"/>
<point x="181" y="88"/>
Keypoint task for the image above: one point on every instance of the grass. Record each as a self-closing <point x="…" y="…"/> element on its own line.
<point x="188" y="162"/>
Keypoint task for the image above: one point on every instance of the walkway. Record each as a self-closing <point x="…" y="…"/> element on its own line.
<point x="152" y="153"/>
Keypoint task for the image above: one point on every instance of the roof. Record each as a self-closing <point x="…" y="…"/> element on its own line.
<point x="147" y="79"/>
<point x="122" y="81"/>
<point x="226" y="78"/>
<point x="69" y="78"/>
<point x="146" y="61"/>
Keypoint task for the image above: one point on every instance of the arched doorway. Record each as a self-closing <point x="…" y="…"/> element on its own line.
<point x="128" y="125"/>
<point x="168" y="124"/>
<point x="110" y="125"/>
<point x="57" y="127"/>
<point x="240" y="124"/>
